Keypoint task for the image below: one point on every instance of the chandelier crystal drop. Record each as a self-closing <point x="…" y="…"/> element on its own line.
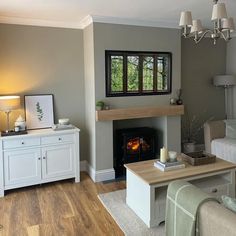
<point x="223" y="25"/>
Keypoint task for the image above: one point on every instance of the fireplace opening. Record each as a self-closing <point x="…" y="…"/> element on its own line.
<point x="132" y="145"/>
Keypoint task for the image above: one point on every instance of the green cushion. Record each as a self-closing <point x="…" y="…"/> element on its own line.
<point x="229" y="202"/>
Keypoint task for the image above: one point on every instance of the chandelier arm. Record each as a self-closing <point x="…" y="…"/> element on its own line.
<point x="188" y="36"/>
<point x="197" y="40"/>
<point x="226" y="38"/>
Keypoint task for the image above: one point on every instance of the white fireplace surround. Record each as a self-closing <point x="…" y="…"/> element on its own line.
<point x="168" y="125"/>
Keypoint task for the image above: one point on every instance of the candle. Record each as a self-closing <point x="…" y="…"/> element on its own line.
<point x="173" y="156"/>
<point x="163" y="155"/>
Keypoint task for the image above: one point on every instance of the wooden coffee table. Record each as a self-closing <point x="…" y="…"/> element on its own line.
<point x="147" y="186"/>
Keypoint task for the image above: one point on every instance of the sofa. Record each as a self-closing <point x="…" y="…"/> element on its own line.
<point x="216" y="220"/>
<point x="220" y="139"/>
<point x="186" y="203"/>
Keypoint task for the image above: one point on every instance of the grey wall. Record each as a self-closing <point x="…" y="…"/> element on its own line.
<point x="231" y="69"/>
<point x="124" y="37"/>
<point x="41" y="60"/>
<point x="71" y="65"/>
<point x="201" y="99"/>
<point x="136" y="38"/>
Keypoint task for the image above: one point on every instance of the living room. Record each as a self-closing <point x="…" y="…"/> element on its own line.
<point x="59" y="49"/>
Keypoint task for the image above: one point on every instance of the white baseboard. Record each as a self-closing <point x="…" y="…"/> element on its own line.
<point x="103" y="175"/>
<point x="97" y="176"/>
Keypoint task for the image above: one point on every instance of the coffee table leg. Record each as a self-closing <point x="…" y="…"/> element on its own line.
<point x="140" y="197"/>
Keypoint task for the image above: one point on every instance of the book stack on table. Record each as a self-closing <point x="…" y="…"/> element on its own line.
<point x="167" y="166"/>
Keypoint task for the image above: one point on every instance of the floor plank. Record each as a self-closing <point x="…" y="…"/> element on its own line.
<point x="58" y="209"/>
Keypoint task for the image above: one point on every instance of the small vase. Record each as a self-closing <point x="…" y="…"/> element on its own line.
<point x="179" y="102"/>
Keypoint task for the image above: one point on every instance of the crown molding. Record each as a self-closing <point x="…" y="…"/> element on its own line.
<point x="126" y="21"/>
<point x="39" y="22"/>
<point x="85" y="22"/>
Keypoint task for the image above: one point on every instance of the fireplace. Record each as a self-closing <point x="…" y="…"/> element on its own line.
<point x="132" y="145"/>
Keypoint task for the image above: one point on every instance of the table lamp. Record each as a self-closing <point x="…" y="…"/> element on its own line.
<point x="7" y="104"/>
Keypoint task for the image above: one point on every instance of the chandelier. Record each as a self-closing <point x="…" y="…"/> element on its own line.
<point x="223" y="25"/>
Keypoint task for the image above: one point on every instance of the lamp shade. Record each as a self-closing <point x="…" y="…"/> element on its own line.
<point x="228" y="24"/>
<point x="219" y="11"/>
<point x="196" y="27"/>
<point x="9" y="103"/>
<point x="185" y="18"/>
<point x="224" y="80"/>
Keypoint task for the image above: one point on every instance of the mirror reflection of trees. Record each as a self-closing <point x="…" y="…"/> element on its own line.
<point x="117" y="73"/>
<point x="132" y="73"/>
<point x="140" y="73"/>
<point x="148" y="66"/>
<point x="162" y="72"/>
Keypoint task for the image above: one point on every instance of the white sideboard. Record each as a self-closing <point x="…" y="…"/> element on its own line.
<point x="38" y="157"/>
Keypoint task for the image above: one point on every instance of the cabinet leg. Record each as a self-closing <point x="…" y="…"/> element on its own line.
<point x="1" y="193"/>
<point x="77" y="179"/>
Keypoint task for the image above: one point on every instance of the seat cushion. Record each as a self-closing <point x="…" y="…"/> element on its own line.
<point x="224" y="148"/>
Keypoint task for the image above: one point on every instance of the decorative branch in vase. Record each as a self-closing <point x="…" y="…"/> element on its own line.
<point x="192" y="127"/>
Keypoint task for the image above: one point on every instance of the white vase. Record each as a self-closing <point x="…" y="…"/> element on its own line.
<point x="20" y="122"/>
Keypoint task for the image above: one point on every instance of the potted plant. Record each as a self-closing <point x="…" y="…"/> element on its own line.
<point x="100" y="105"/>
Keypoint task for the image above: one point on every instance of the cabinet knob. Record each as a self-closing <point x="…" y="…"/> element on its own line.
<point x="44" y="158"/>
<point x="22" y="142"/>
<point x="39" y="158"/>
<point x="59" y="139"/>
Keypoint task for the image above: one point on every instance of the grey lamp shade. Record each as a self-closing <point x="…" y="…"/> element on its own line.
<point x="219" y="11"/>
<point x="185" y="18"/>
<point x="228" y="24"/>
<point x="224" y="80"/>
<point x="196" y="27"/>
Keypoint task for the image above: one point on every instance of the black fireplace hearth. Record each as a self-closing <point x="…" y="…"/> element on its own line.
<point x="132" y="145"/>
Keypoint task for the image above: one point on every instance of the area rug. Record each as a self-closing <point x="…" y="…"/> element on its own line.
<point x="127" y="220"/>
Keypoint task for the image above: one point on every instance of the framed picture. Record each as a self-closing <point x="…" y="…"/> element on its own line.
<point x="39" y="111"/>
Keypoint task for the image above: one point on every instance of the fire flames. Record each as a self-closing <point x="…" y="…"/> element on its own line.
<point x="134" y="144"/>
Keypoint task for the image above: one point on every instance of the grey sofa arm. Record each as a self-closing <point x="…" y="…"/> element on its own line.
<point x="215" y="220"/>
<point x="213" y="130"/>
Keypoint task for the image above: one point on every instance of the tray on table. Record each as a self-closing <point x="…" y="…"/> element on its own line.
<point x="198" y="158"/>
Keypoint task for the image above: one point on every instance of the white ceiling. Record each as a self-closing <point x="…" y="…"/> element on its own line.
<point x="73" y="13"/>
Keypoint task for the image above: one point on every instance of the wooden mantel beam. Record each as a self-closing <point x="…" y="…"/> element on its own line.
<point x="139" y="112"/>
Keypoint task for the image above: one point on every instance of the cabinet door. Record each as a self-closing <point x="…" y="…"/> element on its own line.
<point x="58" y="162"/>
<point x="22" y="168"/>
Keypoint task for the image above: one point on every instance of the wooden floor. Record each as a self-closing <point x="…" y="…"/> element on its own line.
<point x="61" y="208"/>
